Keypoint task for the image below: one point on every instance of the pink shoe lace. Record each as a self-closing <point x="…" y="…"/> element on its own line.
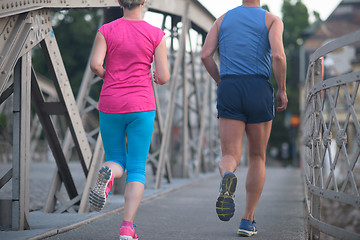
<point x="126" y="233"/>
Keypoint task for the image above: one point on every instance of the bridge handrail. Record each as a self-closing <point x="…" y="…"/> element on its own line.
<point x="322" y="123"/>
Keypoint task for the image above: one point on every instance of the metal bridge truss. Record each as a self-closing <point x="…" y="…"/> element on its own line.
<point x="331" y="142"/>
<point x="185" y="127"/>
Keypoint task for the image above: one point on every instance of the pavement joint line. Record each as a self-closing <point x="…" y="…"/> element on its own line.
<point x="102" y="215"/>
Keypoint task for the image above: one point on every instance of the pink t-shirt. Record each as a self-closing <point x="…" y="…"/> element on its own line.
<point x="127" y="83"/>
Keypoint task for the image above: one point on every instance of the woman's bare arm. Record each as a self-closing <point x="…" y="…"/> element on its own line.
<point x="161" y="73"/>
<point x="98" y="56"/>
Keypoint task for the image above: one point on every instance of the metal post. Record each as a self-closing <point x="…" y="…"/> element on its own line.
<point x="172" y="103"/>
<point x="211" y="133"/>
<point x="83" y="95"/>
<point x="202" y="128"/>
<point x="315" y="199"/>
<point x="21" y="143"/>
<point x="185" y="116"/>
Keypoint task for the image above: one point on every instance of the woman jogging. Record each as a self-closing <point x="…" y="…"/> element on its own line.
<point x="249" y="38"/>
<point x="127" y="104"/>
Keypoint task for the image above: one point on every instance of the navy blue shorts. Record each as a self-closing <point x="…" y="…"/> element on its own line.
<point x="246" y="98"/>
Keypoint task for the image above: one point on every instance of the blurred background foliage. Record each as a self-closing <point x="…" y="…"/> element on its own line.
<point x="75" y="32"/>
<point x="296" y="19"/>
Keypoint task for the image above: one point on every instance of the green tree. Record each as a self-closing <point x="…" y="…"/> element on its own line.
<point x="317" y="16"/>
<point x="296" y="20"/>
<point x="75" y="32"/>
<point x="266" y="7"/>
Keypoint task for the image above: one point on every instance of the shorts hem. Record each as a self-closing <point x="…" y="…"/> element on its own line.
<point x="132" y="179"/>
<point x="232" y="117"/>
<point x="260" y="121"/>
<point x="118" y="162"/>
<point x="244" y="120"/>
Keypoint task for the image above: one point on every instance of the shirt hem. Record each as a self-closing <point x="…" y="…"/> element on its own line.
<point x="126" y="111"/>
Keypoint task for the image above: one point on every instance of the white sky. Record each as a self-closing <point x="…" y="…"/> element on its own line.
<point x="324" y="7"/>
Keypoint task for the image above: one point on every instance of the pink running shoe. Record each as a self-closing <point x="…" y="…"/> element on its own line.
<point x="126" y="233"/>
<point x="101" y="190"/>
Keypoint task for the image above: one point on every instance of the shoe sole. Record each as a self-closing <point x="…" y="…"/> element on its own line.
<point x="225" y="205"/>
<point x="127" y="234"/>
<point x="128" y="238"/>
<point x="245" y="233"/>
<point x="97" y="197"/>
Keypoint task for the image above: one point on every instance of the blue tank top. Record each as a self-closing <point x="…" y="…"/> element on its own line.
<point x="244" y="43"/>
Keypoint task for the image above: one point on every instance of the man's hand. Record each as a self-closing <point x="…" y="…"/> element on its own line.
<point x="281" y="100"/>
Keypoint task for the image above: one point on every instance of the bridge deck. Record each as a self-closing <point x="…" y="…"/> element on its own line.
<point x="185" y="210"/>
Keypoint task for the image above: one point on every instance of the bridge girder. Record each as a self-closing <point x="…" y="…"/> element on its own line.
<point x="26" y="24"/>
<point x="198" y="14"/>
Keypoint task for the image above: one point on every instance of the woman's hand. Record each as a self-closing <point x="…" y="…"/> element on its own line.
<point x="156" y="79"/>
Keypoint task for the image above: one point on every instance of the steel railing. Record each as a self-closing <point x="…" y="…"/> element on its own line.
<point x="330" y="147"/>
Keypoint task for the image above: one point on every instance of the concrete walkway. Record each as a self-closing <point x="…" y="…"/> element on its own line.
<point x="189" y="212"/>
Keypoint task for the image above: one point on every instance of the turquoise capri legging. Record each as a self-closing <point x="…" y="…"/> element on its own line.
<point x="126" y="139"/>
